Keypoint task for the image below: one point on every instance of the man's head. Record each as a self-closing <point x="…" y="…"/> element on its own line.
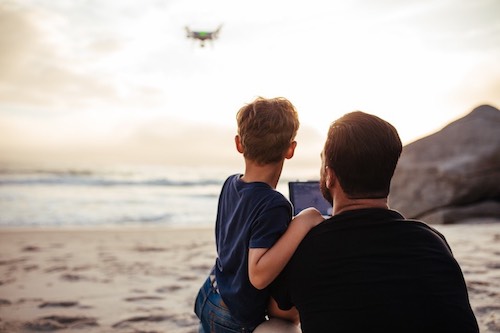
<point x="362" y="151"/>
<point x="267" y="129"/>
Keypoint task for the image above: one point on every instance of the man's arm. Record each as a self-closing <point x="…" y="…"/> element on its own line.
<point x="264" y="265"/>
<point x="274" y="311"/>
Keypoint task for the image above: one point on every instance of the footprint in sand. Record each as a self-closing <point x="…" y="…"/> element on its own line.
<point x="149" y="249"/>
<point x="30" y="248"/>
<point x="167" y="289"/>
<point x="55" y="322"/>
<point x="58" y="304"/>
<point x="143" y="298"/>
<point x="126" y="323"/>
<point x="56" y="269"/>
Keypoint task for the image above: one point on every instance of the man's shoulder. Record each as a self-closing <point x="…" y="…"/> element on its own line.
<point x="367" y="222"/>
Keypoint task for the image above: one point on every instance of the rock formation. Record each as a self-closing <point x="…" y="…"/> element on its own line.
<point x="453" y="175"/>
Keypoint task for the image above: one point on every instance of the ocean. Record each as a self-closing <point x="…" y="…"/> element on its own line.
<point x="112" y="196"/>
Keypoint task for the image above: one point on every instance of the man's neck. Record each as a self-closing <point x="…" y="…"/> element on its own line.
<point x="353" y="204"/>
<point x="265" y="173"/>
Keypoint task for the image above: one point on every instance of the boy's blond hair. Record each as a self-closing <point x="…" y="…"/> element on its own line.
<point x="266" y="128"/>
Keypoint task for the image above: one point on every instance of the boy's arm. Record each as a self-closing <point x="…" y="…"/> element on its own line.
<point x="264" y="265"/>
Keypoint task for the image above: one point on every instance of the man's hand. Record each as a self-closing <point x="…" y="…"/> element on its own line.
<point x="274" y="311"/>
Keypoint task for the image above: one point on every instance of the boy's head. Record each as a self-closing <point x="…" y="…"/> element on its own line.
<point x="267" y="129"/>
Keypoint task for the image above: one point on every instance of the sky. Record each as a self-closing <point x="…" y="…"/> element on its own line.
<point x="117" y="81"/>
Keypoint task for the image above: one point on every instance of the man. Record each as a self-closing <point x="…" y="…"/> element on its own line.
<point x="367" y="268"/>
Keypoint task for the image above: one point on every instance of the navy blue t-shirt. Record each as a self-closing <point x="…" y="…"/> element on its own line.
<point x="250" y="215"/>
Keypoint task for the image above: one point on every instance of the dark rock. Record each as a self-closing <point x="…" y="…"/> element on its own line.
<point x="453" y="174"/>
<point x="482" y="211"/>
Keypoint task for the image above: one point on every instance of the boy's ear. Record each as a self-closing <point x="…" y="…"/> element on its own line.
<point x="239" y="146"/>
<point x="291" y="150"/>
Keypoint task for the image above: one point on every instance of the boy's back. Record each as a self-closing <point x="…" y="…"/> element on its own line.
<point x="249" y="215"/>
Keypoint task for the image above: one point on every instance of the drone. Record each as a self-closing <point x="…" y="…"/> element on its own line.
<point x="202" y="36"/>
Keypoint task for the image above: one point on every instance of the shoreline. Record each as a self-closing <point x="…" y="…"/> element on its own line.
<point x="146" y="279"/>
<point x="104" y="228"/>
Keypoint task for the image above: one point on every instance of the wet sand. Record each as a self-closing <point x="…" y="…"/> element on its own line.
<point x="145" y="280"/>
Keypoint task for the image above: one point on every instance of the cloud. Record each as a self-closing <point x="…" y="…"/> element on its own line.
<point x="198" y="144"/>
<point x="481" y="85"/>
<point x="103" y="64"/>
<point x="160" y="141"/>
<point x="461" y="25"/>
<point x="50" y="63"/>
<point x="33" y="68"/>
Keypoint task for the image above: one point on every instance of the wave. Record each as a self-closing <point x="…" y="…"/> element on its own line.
<point x="93" y="178"/>
<point x="106" y="182"/>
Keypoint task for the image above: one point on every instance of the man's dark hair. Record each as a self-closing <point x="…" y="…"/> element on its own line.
<point x="363" y="150"/>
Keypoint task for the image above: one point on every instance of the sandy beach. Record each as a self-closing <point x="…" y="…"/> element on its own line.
<point x="145" y="280"/>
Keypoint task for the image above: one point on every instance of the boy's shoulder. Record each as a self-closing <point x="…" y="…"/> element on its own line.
<point x="236" y="181"/>
<point x="254" y="191"/>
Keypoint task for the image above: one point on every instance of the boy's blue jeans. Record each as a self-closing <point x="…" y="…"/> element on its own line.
<point x="214" y="314"/>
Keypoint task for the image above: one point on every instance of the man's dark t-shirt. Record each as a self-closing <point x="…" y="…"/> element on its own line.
<point x="371" y="270"/>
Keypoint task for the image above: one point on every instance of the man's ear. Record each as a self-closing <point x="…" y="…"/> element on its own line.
<point x="330" y="177"/>
<point x="239" y="145"/>
<point x="291" y="150"/>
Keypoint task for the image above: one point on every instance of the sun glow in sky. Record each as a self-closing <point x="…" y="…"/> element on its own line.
<point x="117" y="81"/>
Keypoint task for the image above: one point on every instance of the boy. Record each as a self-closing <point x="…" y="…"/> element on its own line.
<point x="254" y="235"/>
